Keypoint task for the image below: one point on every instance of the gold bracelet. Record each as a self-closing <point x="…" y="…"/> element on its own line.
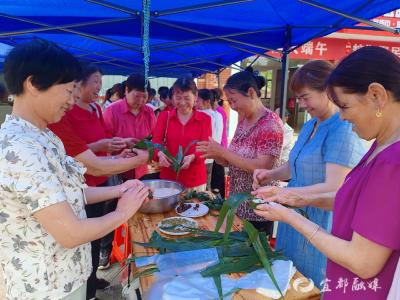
<point x="313" y="234"/>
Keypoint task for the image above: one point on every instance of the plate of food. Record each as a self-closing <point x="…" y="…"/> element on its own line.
<point x="176" y="225"/>
<point x="191" y="210"/>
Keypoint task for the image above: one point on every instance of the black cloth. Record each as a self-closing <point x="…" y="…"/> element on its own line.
<point x="94" y="211"/>
<point x="218" y="178"/>
<point x="106" y="242"/>
<point x="150" y="176"/>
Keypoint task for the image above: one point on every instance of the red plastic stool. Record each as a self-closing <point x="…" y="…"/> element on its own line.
<point x="121" y="245"/>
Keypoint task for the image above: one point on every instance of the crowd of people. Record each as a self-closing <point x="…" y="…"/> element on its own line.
<point x="69" y="174"/>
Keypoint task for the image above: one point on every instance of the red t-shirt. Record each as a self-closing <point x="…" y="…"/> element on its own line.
<point x="120" y="121"/>
<point x="78" y="128"/>
<point x="197" y="128"/>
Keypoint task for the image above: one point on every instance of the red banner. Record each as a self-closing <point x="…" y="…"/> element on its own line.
<point x="337" y="48"/>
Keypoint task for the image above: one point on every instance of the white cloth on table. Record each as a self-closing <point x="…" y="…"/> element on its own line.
<point x="196" y="287"/>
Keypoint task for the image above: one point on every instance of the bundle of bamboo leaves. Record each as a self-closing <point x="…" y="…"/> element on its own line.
<point x="176" y="161"/>
<point x="239" y="251"/>
<point x="243" y="251"/>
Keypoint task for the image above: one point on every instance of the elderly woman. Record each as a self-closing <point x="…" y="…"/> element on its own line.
<point x="180" y="127"/>
<point x="84" y="133"/>
<point x="130" y="117"/>
<point x="45" y="234"/>
<point x="364" y="246"/>
<point x="323" y="155"/>
<point x="257" y="142"/>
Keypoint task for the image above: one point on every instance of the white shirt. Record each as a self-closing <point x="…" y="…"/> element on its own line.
<point x="217" y="126"/>
<point x="287" y="146"/>
<point x="35" y="172"/>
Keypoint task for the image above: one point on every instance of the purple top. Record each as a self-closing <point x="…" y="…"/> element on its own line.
<point x="368" y="203"/>
<point x="224" y="141"/>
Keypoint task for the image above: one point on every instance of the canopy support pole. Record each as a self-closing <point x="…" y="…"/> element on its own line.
<point x="49" y="28"/>
<point x="197" y="7"/>
<point x="210" y="35"/>
<point x="169" y="11"/>
<point x="190" y="59"/>
<point x="258" y="53"/>
<point x="336" y="24"/>
<point x="285" y="73"/>
<point x="254" y="60"/>
<point x="163" y="46"/>
<point x="360" y="20"/>
<point x="219" y="78"/>
<point x="86" y="35"/>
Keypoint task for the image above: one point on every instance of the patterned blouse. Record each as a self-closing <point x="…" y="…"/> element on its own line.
<point x="35" y="172"/>
<point x="264" y="138"/>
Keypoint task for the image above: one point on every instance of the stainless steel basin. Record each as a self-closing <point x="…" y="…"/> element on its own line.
<point x="164" y="204"/>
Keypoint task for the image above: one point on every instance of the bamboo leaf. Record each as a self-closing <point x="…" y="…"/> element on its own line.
<point x="146" y="272"/>
<point x="222" y="214"/>
<point x="229" y="209"/>
<point x="259" y="249"/>
<point x="188" y="147"/>
<point x="179" y="155"/>
<point x="218" y="284"/>
<point x="230" y="265"/>
<point x="229" y="222"/>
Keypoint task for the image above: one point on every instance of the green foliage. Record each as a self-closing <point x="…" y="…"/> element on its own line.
<point x="176" y="162"/>
<point x="243" y="251"/>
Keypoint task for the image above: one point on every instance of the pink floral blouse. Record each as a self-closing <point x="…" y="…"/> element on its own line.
<point x="264" y="138"/>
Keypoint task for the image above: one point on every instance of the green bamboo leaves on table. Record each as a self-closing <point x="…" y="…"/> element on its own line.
<point x="236" y="255"/>
<point x="243" y="251"/>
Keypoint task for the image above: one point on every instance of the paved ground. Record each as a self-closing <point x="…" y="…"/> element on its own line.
<point x="111" y="275"/>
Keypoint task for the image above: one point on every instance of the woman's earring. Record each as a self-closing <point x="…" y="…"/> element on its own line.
<point x="378" y="114"/>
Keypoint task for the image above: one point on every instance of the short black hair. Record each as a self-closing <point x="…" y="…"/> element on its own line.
<point x="137" y="82"/>
<point x="207" y="95"/>
<point x="170" y="93"/>
<point x="217" y="93"/>
<point x="152" y="92"/>
<point x="88" y="69"/>
<point x="163" y="91"/>
<point x="118" y="88"/>
<point x="47" y="64"/>
<point x="108" y="94"/>
<point x="244" y="80"/>
<point x="185" y="84"/>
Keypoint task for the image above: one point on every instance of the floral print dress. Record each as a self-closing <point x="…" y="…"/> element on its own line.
<point x="264" y="138"/>
<point x="35" y="172"/>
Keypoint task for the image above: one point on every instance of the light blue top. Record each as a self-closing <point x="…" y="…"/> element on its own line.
<point x="334" y="142"/>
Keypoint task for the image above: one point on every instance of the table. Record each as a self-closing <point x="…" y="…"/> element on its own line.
<point x="141" y="227"/>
